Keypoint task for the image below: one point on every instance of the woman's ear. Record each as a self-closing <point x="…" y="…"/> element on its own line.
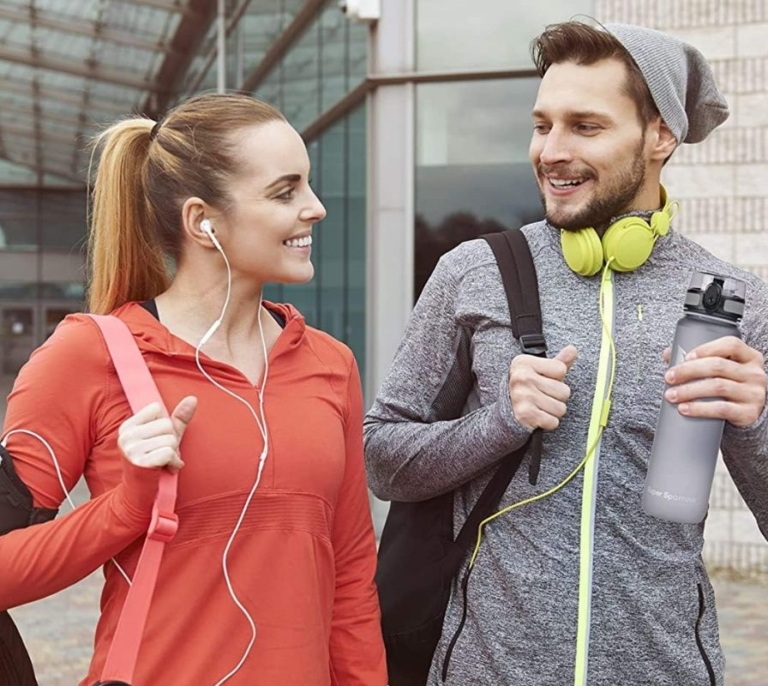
<point x="193" y="212"/>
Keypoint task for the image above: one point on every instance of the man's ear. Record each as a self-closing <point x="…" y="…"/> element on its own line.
<point x="663" y="141"/>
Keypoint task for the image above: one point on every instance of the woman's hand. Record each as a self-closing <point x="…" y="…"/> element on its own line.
<point x="150" y="439"/>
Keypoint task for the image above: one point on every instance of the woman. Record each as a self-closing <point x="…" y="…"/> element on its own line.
<point x="269" y="579"/>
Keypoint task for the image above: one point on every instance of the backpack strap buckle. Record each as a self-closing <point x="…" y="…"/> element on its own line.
<point x="533" y="344"/>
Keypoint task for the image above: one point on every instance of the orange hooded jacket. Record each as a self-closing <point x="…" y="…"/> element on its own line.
<point x="304" y="558"/>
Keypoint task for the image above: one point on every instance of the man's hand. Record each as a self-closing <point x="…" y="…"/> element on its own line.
<point x="725" y="369"/>
<point x="537" y="390"/>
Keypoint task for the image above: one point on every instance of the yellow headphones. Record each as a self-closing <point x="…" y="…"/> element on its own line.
<point x="627" y="243"/>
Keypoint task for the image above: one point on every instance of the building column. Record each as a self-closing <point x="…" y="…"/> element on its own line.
<point x="390" y="233"/>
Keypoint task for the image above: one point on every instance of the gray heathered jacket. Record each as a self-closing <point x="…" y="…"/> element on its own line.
<point x="649" y="585"/>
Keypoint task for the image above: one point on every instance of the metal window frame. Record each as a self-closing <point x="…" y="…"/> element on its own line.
<point x="307" y="13"/>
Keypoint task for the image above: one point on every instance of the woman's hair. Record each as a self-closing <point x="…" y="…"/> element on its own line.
<point x="581" y="43"/>
<point x="146" y="172"/>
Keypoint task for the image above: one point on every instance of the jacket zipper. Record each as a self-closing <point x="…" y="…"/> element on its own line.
<point x="601" y="406"/>
<point x="703" y="652"/>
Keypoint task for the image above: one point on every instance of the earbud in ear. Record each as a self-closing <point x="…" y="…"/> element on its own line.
<point x="207" y="228"/>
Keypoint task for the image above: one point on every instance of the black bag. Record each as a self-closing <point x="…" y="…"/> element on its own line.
<point x="16" y="512"/>
<point x="418" y="556"/>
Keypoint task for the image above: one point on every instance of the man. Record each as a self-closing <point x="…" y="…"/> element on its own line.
<point x="581" y="586"/>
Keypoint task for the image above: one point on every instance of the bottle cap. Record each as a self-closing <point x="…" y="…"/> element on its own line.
<point x="717" y="296"/>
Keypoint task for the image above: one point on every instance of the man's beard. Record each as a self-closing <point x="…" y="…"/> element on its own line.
<point x="606" y="204"/>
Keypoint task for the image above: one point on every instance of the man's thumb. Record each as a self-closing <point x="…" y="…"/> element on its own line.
<point x="568" y="355"/>
<point x="183" y="413"/>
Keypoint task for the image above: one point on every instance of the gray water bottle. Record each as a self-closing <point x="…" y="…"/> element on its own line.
<point x="685" y="449"/>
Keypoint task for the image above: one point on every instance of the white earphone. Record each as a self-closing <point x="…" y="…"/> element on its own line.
<point x="207" y="228"/>
<point x="261" y="422"/>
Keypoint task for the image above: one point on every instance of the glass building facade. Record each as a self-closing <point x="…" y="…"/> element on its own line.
<point x="320" y="58"/>
<point x="41" y="259"/>
<point x="417" y="126"/>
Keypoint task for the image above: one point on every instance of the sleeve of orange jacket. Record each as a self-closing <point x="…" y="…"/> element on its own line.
<point x="60" y="394"/>
<point x="357" y="648"/>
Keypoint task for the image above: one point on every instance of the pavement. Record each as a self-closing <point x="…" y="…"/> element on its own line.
<point x="59" y="630"/>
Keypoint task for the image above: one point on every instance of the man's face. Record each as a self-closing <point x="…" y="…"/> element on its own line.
<point x="588" y="147"/>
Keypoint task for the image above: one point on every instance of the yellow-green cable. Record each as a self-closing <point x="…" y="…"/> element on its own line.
<point x="528" y="500"/>
<point x="590" y="451"/>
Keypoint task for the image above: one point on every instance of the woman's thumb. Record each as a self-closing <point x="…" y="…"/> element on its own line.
<point x="183" y="413"/>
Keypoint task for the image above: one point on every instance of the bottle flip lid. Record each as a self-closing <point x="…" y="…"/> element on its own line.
<point x="717" y="296"/>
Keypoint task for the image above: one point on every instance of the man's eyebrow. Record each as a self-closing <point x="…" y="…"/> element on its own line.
<point x="575" y="114"/>
<point x="292" y="178"/>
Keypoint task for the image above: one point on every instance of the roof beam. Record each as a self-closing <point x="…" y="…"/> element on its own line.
<point x="27" y="89"/>
<point x="284" y="41"/>
<point x="232" y="23"/>
<point x="93" y="30"/>
<point x="186" y="43"/>
<point x="33" y="58"/>
<point x="187" y="8"/>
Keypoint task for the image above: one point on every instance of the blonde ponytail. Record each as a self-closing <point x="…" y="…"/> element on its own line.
<point x="126" y="260"/>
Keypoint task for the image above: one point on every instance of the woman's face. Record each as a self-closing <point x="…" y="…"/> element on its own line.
<point x="268" y="227"/>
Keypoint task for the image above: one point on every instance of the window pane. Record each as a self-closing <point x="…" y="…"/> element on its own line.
<point x="326" y="62"/>
<point x="301" y="79"/>
<point x="472" y="170"/>
<point x="334" y="300"/>
<point x="334" y="28"/>
<point x="356" y="235"/>
<point x="330" y="260"/>
<point x="494" y="37"/>
<point x="261" y="24"/>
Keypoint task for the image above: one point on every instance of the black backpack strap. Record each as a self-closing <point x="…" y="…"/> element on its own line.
<point x="489" y="499"/>
<point x="518" y="275"/>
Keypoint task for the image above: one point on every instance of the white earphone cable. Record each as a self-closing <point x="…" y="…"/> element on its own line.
<point x="262" y="425"/>
<point x="61" y="480"/>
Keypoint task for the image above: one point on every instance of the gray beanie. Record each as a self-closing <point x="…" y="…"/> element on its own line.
<point x="680" y="80"/>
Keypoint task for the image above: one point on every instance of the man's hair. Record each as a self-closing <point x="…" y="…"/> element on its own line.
<point x="581" y="43"/>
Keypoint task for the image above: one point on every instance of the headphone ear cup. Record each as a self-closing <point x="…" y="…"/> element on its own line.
<point x="582" y="251"/>
<point x="628" y="244"/>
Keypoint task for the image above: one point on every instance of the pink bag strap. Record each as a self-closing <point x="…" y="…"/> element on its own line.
<point x="140" y="389"/>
